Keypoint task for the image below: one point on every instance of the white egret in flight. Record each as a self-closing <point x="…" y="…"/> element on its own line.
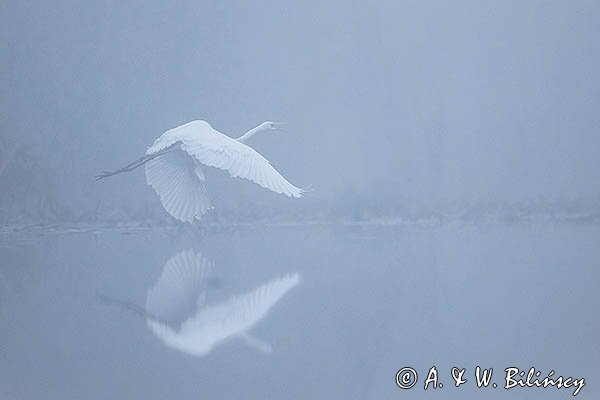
<point x="173" y="166"/>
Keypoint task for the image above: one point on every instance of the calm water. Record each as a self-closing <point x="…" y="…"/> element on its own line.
<point x="296" y="312"/>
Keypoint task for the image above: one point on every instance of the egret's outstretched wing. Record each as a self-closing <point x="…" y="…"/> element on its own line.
<point x="244" y="162"/>
<point x="215" y="149"/>
<point x="177" y="292"/>
<point x="179" y="182"/>
<point x="233" y="317"/>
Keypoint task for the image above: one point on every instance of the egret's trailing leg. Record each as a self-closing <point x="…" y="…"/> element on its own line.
<point x="130" y="167"/>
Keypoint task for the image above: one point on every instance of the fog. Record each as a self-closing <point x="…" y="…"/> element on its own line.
<point x="454" y="217"/>
<point x="393" y="106"/>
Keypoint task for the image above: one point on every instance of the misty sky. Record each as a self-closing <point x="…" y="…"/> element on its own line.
<point x="422" y="102"/>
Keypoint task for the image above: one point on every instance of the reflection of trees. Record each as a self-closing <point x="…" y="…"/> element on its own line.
<point x="21" y="267"/>
<point x="29" y="189"/>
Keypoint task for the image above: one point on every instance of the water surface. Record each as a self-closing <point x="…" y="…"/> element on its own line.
<point x="293" y="312"/>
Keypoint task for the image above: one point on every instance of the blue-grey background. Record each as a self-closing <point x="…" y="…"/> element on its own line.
<point x="452" y="146"/>
<point x="395" y="107"/>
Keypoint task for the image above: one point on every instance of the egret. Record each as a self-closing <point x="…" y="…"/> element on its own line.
<point x="173" y="166"/>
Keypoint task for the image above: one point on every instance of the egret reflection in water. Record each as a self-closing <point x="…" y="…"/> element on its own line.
<point x="179" y="312"/>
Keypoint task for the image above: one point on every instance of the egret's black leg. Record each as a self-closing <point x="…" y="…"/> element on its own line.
<point x="130" y="167"/>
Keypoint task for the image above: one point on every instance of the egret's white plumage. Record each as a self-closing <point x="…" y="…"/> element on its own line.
<point x="173" y="166"/>
<point x="180" y="291"/>
<point x="178" y="181"/>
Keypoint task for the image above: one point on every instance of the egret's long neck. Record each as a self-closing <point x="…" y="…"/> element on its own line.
<point x="250" y="133"/>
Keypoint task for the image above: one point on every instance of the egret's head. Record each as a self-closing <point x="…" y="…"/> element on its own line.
<point x="269" y="125"/>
